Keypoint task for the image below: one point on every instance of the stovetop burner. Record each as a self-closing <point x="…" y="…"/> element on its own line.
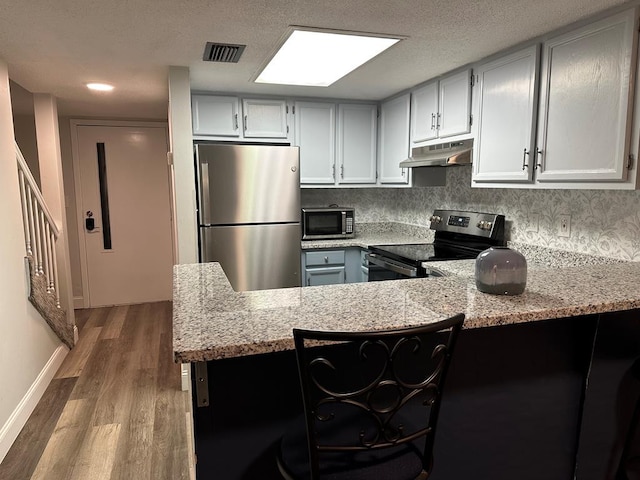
<point x="458" y="235"/>
<point x="422" y="252"/>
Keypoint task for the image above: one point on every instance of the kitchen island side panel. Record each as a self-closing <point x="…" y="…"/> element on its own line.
<point x="512" y="406"/>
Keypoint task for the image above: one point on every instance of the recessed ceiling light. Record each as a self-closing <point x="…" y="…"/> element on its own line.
<point x="318" y="58"/>
<point x="100" y="87"/>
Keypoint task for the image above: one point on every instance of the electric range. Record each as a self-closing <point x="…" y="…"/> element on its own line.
<point x="459" y="235"/>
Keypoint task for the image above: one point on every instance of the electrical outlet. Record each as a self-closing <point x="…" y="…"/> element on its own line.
<point x="533" y="223"/>
<point x="564" y="225"/>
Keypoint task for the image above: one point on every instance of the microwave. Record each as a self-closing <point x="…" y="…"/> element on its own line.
<point x="329" y="222"/>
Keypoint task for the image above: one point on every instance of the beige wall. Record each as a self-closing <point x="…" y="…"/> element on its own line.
<point x="25" y="133"/>
<point x="27" y="344"/>
<point x="24" y="126"/>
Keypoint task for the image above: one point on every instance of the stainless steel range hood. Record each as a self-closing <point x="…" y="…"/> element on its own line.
<point x="441" y="155"/>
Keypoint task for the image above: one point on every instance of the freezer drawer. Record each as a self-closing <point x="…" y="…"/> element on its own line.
<point x="255" y="257"/>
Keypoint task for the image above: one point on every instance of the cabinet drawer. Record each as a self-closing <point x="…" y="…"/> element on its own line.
<point x="324" y="276"/>
<point x="333" y="257"/>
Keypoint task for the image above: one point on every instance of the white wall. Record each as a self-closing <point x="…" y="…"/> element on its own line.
<point x="70" y="206"/>
<point x="29" y="350"/>
<point x="181" y="145"/>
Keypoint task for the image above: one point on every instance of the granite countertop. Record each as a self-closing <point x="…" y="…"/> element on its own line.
<point x="211" y="321"/>
<point x="537" y="258"/>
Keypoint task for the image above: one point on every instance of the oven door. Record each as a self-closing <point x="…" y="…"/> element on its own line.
<point x="383" y="268"/>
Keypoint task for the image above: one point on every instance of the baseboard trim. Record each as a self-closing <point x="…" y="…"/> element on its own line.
<point x="10" y="430"/>
<point x="78" y="302"/>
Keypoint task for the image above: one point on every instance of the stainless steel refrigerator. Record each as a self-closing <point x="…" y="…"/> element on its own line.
<point x="249" y="213"/>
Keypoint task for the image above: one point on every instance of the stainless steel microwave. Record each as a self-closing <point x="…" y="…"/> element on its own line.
<point x="329" y="222"/>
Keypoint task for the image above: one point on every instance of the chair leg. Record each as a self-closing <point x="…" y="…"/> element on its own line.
<point x="283" y="471"/>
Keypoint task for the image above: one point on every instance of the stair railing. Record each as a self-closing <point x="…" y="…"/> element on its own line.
<point x="40" y="230"/>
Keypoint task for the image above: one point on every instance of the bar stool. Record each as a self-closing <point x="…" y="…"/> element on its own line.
<point x="371" y="402"/>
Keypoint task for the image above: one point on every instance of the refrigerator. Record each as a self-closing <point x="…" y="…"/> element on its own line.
<point x="249" y="213"/>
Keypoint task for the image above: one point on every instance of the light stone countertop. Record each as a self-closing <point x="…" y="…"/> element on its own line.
<point x="537" y="258"/>
<point x="211" y="321"/>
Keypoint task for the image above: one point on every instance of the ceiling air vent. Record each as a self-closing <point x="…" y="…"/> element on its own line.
<point x="222" y="52"/>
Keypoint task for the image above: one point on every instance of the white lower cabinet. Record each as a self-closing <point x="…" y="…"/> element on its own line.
<point x="324" y="276"/>
<point x="334" y="266"/>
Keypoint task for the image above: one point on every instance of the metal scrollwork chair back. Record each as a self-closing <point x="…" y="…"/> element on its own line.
<point x="371" y="402"/>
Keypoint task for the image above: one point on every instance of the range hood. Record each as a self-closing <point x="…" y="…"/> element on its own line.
<point x="441" y="155"/>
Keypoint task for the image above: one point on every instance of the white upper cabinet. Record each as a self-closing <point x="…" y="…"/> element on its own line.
<point x="264" y="118"/>
<point x="505" y="128"/>
<point x="356" y="148"/>
<point x="442" y="108"/>
<point x="424" y="110"/>
<point x="315" y="134"/>
<point x="455" y="104"/>
<point x="585" y="102"/>
<point x="215" y="115"/>
<point x="394" y="140"/>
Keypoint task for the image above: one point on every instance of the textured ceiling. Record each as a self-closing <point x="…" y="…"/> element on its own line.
<point x="58" y="46"/>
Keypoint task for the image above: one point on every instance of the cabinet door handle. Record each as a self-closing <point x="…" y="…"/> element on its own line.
<point x="438" y="122"/>
<point x="333" y="171"/>
<point x="245" y="123"/>
<point x="433" y="121"/>
<point x="524" y="159"/>
<point x="342" y="171"/>
<point x="236" y="121"/>
<point x="539" y="156"/>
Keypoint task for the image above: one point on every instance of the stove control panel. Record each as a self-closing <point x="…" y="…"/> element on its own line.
<point x="458" y="221"/>
<point x="486" y="225"/>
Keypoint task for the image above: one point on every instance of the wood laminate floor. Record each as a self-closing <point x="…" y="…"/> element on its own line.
<point x="115" y="409"/>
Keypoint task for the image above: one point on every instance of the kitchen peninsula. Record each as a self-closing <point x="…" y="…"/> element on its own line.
<point x="518" y="386"/>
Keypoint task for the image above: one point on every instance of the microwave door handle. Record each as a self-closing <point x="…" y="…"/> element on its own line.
<point x="393" y="266"/>
<point x="344" y="223"/>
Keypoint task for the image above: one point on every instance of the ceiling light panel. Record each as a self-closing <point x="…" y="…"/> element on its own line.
<point x="320" y="58"/>
<point x="100" y="87"/>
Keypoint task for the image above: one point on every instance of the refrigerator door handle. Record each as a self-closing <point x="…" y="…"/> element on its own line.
<point x="204" y="193"/>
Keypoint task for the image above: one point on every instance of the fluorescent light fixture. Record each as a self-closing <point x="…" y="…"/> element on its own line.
<point x="319" y="58"/>
<point x="100" y="87"/>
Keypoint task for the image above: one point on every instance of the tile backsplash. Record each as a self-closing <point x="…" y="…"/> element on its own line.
<point x="603" y="222"/>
